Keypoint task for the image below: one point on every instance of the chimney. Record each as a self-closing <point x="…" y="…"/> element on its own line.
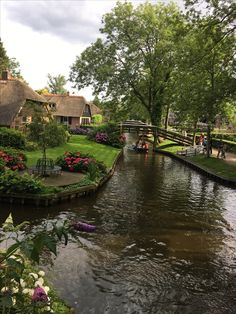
<point x="5" y="75"/>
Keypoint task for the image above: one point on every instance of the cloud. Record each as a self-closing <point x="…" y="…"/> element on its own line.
<point x="75" y="21"/>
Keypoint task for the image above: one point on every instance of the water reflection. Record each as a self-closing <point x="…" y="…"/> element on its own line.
<point x="165" y="242"/>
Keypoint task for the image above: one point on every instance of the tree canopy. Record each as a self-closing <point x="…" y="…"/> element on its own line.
<point x="56" y="84"/>
<point x="10" y="64"/>
<point x="135" y="57"/>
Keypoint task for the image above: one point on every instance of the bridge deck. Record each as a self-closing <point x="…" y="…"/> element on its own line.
<point x="140" y="127"/>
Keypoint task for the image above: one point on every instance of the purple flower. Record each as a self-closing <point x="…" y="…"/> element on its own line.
<point x="39" y="295"/>
<point x="101" y="137"/>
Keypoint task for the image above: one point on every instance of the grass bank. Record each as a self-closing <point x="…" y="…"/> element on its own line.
<point x="214" y="165"/>
<point x="78" y="143"/>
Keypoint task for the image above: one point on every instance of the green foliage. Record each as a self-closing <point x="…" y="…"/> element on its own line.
<point x="12" y="158"/>
<point x="56" y="84"/>
<point x="20" y="279"/>
<point x="135" y="58"/>
<point x="10" y="64"/>
<point x="12" y="182"/>
<point x="2" y="166"/>
<point x="108" y="133"/>
<point x="77" y="162"/>
<point x="4" y="59"/>
<point x="97" y="118"/>
<point x="223" y="136"/>
<point x="46" y="132"/>
<point x="12" y="138"/>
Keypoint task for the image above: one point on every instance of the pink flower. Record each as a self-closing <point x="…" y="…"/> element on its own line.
<point x="39" y="295"/>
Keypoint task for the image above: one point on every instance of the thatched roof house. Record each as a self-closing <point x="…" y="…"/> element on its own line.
<point x="71" y="110"/>
<point x="13" y="96"/>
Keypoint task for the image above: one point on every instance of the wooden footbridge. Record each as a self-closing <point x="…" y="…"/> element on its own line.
<point x="144" y="129"/>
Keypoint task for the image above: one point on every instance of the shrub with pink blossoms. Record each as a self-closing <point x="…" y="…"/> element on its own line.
<point x="77" y="162"/>
<point x="12" y="158"/>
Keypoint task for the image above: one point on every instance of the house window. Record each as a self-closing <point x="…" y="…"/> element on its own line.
<point x="85" y="121"/>
<point x="66" y="120"/>
<point x="52" y="106"/>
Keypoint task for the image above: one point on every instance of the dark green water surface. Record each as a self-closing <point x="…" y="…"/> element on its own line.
<point x="165" y="242"/>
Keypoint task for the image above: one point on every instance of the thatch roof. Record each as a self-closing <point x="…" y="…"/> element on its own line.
<point x="70" y="106"/>
<point x="13" y="95"/>
<point x="94" y="109"/>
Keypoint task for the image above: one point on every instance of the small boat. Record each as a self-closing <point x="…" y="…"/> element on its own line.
<point x="82" y="226"/>
<point x="138" y="149"/>
<point x="141" y="149"/>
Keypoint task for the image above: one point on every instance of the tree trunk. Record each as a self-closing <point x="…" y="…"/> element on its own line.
<point x="194" y="132"/>
<point x="167" y="116"/>
<point x="208" y="139"/>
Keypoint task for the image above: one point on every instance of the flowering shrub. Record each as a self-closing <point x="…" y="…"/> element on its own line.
<point x="79" y="131"/>
<point x="108" y="134"/>
<point x="24" y="290"/>
<point x="77" y="162"/>
<point x="12" y="158"/>
<point x="101" y="137"/>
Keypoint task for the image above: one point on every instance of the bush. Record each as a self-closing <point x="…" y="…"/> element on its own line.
<point x="12" y="158"/>
<point x="12" y="138"/>
<point x="23" y="286"/>
<point x="108" y="134"/>
<point x="2" y="166"/>
<point x="97" y="118"/>
<point x="79" y="131"/>
<point x="77" y="162"/>
<point x="222" y="136"/>
<point x="12" y="182"/>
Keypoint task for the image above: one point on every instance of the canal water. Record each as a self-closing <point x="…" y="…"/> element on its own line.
<point x="165" y="242"/>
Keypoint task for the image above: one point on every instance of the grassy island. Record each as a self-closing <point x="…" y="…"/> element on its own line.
<point x="214" y="165"/>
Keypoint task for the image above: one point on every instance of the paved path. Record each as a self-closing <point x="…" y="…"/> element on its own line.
<point x="65" y="178"/>
<point x="230" y="157"/>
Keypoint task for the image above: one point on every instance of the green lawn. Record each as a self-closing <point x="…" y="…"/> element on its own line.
<point x="170" y="146"/>
<point x="78" y="143"/>
<point x="214" y="165"/>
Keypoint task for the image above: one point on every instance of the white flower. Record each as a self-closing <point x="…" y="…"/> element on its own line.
<point x="34" y="275"/>
<point x="46" y="289"/>
<point x="15" y="290"/>
<point x="4" y="289"/>
<point x="41" y="280"/>
<point x="41" y="273"/>
<point x="38" y="283"/>
<point x="13" y="301"/>
<point x="31" y="292"/>
<point x="25" y="291"/>
<point x="15" y="282"/>
<point x="47" y="308"/>
<point x="22" y="283"/>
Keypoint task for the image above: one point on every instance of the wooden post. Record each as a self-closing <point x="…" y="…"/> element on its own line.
<point x="155" y="140"/>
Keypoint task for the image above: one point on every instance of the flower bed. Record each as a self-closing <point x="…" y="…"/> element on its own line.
<point x="79" y="131"/>
<point x="77" y="162"/>
<point x="108" y="134"/>
<point x="12" y="158"/>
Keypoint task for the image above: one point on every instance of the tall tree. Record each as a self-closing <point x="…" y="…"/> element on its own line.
<point x="10" y="64"/>
<point x="136" y="56"/>
<point x="204" y="86"/>
<point x="56" y="84"/>
<point x="4" y="59"/>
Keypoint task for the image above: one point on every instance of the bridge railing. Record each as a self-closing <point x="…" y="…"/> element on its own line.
<point x="152" y="129"/>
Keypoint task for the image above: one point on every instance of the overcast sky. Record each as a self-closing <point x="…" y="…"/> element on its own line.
<point x="45" y="36"/>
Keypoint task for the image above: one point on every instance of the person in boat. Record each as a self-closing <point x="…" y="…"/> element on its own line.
<point x="144" y="145"/>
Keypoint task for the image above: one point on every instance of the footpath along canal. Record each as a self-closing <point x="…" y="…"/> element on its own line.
<point x="165" y="242"/>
